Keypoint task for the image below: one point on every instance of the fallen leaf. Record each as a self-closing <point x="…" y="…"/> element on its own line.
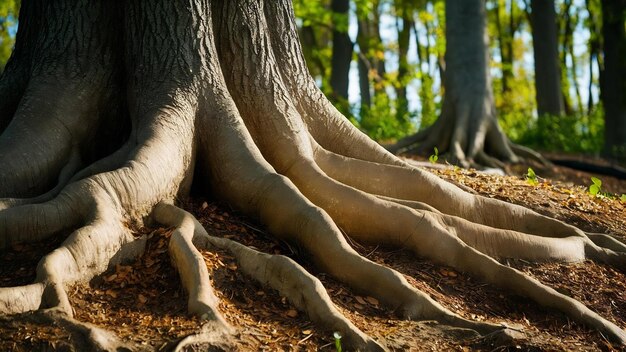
<point x="372" y="300"/>
<point x="292" y="313"/>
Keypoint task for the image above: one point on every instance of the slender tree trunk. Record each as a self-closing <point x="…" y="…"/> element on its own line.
<point x="342" y="53"/>
<point x="404" y="37"/>
<point x="612" y="78"/>
<point x="545" y="47"/>
<point x="565" y="34"/>
<point x="364" y="67"/>
<point x="506" y="59"/>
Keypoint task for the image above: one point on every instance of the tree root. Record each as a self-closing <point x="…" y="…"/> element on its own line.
<point x="83" y="336"/>
<point x="302" y="289"/>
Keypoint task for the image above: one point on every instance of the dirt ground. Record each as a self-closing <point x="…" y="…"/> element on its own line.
<point x="143" y="303"/>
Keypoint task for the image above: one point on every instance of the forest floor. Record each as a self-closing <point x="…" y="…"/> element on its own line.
<point x="143" y="303"/>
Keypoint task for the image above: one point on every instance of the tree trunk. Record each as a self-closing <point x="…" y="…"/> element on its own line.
<point x="404" y="37"/>
<point x="612" y="81"/>
<point x="342" y="53"/>
<point x="467" y="129"/>
<point x="545" y="52"/>
<point x="218" y="95"/>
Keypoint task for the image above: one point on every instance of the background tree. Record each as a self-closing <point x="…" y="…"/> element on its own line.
<point x="612" y="81"/>
<point x="546" y="54"/>
<point x="467" y="129"/>
<point x="342" y="54"/>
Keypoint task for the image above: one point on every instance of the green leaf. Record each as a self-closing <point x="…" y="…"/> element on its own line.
<point x="594" y="189"/>
<point x="596" y="181"/>
<point x="623" y="198"/>
<point x="531" y="177"/>
<point x="433" y="158"/>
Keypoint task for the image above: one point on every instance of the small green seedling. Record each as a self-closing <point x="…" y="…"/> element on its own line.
<point x="337" y="336"/>
<point x="623" y="198"/>
<point x="531" y="177"/>
<point x="596" y="187"/>
<point x="433" y="158"/>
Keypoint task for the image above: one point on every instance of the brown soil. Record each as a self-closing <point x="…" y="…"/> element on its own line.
<point x="143" y="303"/>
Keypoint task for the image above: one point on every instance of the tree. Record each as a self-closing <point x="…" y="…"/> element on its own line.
<point x="342" y="52"/>
<point x="545" y="52"/>
<point x="216" y="94"/>
<point x="467" y="129"/>
<point x="612" y="82"/>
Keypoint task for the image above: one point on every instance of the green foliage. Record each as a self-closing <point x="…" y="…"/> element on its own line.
<point x="571" y="133"/>
<point x="337" y="337"/>
<point x="595" y="189"/>
<point x="8" y="22"/>
<point x="429" y="112"/>
<point x="623" y="198"/>
<point x="381" y="122"/>
<point x="531" y="177"/>
<point x="434" y="157"/>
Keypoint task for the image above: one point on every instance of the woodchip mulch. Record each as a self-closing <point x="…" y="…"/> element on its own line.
<point x="142" y="302"/>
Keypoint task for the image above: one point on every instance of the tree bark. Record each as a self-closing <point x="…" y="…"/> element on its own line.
<point x="342" y="53"/>
<point x="612" y="82"/>
<point x="545" y="52"/>
<point x="404" y="37"/>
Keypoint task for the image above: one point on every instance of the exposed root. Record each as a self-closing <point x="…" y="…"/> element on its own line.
<point x="83" y="336"/>
<point x="38" y="221"/>
<point x="302" y="289"/>
<point x="21" y="298"/>
<point x="210" y="338"/>
<point x="325" y="123"/>
<point x="435" y="237"/>
<point x="189" y="262"/>
<point x="409" y="183"/>
<point x="43" y="135"/>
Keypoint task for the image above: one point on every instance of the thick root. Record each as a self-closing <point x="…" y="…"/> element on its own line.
<point x="435" y="237"/>
<point x="189" y="262"/>
<point x="302" y="289"/>
<point x="21" y="298"/>
<point x="38" y="221"/>
<point x="410" y="183"/>
<point x="294" y="219"/>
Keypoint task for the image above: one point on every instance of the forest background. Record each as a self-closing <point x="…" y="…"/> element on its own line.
<point x="382" y="64"/>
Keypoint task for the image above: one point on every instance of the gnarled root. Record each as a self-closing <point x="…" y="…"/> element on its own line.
<point x="302" y="289"/>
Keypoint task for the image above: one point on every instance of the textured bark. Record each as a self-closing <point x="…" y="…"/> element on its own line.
<point x="545" y="51"/>
<point x="612" y="82"/>
<point x="404" y="37"/>
<point x="217" y="94"/>
<point x="342" y="52"/>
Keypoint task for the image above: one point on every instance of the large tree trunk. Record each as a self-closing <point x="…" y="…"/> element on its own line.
<point x="545" y="52"/>
<point x="612" y="79"/>
<point x="217" y="94"/>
